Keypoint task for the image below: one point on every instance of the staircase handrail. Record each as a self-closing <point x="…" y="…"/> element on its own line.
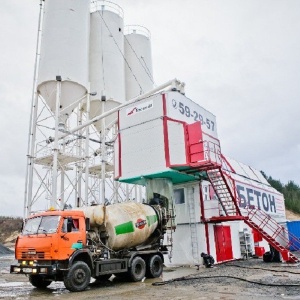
<point x="230" y="187"/>
<point x="269" y="223"/>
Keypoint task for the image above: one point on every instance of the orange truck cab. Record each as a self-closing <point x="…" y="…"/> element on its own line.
<point x="52" y="235"/>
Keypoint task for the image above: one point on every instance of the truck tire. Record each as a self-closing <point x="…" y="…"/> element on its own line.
<point x="38" y="281"/>
<point x="154" y="266"/>
<point x="78" y="277"/>
<point x="137" y="270"/>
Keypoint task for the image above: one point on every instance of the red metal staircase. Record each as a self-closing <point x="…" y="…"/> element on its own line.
<point x="225" y="190"/>
<point x="275" y="234"/>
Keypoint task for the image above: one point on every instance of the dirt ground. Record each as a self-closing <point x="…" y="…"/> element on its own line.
<point x="249" y="279"/>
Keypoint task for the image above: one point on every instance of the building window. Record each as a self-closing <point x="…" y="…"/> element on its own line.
<point x="179" y="196"/>
<point x="206" y="193"/>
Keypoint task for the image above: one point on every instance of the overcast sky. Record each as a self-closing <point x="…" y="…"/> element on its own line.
<point x="239" y="59"/>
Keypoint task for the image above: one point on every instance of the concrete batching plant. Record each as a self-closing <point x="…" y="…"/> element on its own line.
<point x="102" y="134"/>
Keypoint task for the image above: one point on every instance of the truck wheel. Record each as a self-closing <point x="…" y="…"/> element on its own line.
<point x="137" y="270"/>
<point x="78" y="277"/>
<point x="154" y="266"/>
<point x="38" y="281"/>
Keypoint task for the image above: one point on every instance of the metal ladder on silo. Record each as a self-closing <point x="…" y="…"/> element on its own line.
<point x="193" y="225"/>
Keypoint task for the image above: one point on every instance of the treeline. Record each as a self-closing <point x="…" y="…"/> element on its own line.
<point x="8" y="225"/>
<point x="291" y="192"/>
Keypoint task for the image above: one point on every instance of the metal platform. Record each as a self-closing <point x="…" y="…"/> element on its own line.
<point x="63" y="160"/>
<point x="97" y="169"/>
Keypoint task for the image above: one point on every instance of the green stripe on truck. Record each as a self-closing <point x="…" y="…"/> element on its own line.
<point x="124" y="228"/>
<point x="151" y="219"/>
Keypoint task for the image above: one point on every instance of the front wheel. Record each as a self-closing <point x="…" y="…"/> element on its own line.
<point x="38" y="281"/>
<point x="78" y="277"/>
<point x="137" y="270"/>
<point x="154" y="266"/>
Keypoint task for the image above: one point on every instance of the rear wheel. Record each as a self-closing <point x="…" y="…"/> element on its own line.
<point x="137" y="270"/>
<point x="38" y="281"/>
<point x="154" y="266"/>
<point x="78" y="277"/>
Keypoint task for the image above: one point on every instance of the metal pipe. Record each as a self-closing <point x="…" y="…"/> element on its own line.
<point x="103" y="155"/>
<point x="55" y="148"/>
<point x="86" y="156"/>
<point x="78" y="167"/>
<point x="173" y="83"/>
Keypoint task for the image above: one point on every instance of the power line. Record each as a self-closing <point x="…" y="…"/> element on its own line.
<point x="144" y="66"/>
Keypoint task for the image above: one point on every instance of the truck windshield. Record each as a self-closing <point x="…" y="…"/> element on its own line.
<point x="46" y="224"/>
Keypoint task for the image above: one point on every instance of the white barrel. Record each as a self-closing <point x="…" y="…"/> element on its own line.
<point x="127" y="224"/>
<point x="106" y="64"/>
<point x="64" y="51"/>
<point x="138" y="72"/>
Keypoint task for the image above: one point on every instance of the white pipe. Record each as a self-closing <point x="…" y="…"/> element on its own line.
<point x="173" y="83"/>
<point x="78" y="167"/>
<point x="103" y="156"/>
<point x="30" y="157"/>
<point x="86" y="156"/>
<point x="55" y="148"/>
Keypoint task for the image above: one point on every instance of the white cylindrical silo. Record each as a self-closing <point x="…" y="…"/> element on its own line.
<point x="138" y="72"/>
<point x="64" y="52"/>
<point x="106" y="64"/>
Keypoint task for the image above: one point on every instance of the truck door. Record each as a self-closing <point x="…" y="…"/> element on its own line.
<point x="70" y="241"/>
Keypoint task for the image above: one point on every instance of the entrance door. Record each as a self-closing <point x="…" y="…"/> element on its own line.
<point x="223" y="242"/>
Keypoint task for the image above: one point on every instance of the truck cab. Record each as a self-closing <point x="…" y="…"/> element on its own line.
<point x="51" y="235"/>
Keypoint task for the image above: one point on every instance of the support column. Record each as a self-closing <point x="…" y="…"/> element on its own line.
<point x="55" y="147"/>
<point x="103" y="154"/>
<point x="86" y="152"/>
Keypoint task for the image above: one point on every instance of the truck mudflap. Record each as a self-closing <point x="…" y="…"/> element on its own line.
<point x="33" y="269"/>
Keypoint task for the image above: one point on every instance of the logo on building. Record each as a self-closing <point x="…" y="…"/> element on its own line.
<point x="140" y="223"/>
<point x="139" y="108"/>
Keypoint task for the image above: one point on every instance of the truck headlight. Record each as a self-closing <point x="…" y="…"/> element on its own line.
<point x="43" y="270"/>
<point x="34" y="270"/>
<point x="17" y="269"/>
<point x="24" y="262"/>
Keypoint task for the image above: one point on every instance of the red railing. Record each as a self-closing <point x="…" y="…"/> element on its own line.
<point x="274" y="233"/>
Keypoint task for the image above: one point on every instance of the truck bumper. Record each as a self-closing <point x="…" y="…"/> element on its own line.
<point x="34" y="269"/>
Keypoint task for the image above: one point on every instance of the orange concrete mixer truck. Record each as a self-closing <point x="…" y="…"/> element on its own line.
<point x="72" y="246"/>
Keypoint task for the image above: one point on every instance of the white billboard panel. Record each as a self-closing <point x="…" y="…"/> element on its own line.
<point x="263" y="197"/>
<point x="184" y="109"/>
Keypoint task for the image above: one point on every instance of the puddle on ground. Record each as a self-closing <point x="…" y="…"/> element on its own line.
<point x="12" y="284"/>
